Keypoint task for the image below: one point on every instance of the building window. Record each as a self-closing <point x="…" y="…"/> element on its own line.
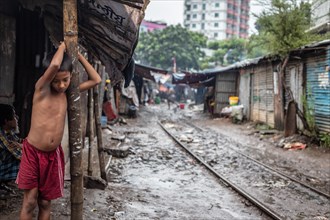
<point x="194" y="6"/>
<point x="193" y="25"/>
<point x="188" y="7"/>
<point x="203" y="16"/>
<point x="188" y="17"/>
<point x="204" y="6"/>
<point x="216" y="24"/>
<point x="215" y="34"/>
<point x="216" y="15"/>
<point x="203" y="26"/>
<point x="194" y="16"/>
<point x="217" y="5"/>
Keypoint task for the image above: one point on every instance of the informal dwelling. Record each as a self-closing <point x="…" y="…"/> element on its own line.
<point x="108" y="31"/>
<point x="266" y="97"/>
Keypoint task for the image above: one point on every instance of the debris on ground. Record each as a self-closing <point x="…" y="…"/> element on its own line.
<point x="295" y="146"/>
<point x="93" y="182"/>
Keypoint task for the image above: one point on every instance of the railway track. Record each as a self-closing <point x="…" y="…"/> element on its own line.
<point x="277" y="194"/>
<point x="269" y="167"/>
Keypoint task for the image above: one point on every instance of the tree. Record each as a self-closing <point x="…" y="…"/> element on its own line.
<point x="254" y="48"/>
<point x="228" y="51"/>
<point x="282" y="26"/>
<point x="158" y="48"/>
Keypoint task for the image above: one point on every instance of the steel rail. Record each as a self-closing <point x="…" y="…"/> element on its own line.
<point x="227" y="182"/>
<point x="273" y="169"/>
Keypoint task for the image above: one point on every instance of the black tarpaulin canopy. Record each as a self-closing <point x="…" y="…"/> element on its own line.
<point x="146" y="72"/>
<point x="107" y="29"/>
<point x="194" y="79"/>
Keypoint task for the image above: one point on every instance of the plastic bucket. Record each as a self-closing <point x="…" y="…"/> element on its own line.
<point x="181" y="105"/>
<point x="233" y="100"/>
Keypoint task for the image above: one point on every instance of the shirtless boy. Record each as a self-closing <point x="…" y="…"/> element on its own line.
<point x="41" y="171"/>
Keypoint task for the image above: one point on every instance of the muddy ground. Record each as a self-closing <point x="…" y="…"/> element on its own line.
<point x="157" y="181"/>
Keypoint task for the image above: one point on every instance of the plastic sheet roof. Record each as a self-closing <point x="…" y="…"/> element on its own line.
<point x="107" y="29"/>
<point x="147" y="72"/>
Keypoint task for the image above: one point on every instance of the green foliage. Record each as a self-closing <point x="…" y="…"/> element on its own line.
<point x="228" y="51"/>
<point x="255" y="48"/>
<point x="282" y="27"/>
<point x="158" y="48"/>
<point x="308" y="105"/>
<point x="325" y="139"/>
<point x="309" y="109"/>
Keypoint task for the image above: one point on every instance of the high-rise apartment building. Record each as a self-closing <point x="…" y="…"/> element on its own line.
<point x="218" y="19"/>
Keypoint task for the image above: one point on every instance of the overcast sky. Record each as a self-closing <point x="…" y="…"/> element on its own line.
<point x="171" y="11"/>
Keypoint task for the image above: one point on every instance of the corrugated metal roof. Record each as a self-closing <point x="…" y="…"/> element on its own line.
<point x="254" y="61"/>
<point x="317" y="44"/>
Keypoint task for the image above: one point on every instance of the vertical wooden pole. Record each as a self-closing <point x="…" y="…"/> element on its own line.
<point x="101" y="88"/>
<point x="99" y="132"/>
<point x="90" y="132"/>
<point x="70" y="30"/>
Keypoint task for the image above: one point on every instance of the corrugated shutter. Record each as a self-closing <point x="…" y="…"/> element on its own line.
<point x="263" y="95"/>
<point x="225" y="87"/>
<point x="318" y="89"/>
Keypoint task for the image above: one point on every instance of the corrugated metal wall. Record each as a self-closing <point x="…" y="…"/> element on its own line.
<point x="294" y="80"/>
<point x="262" y="98"/>
<point x="318" y="88"/>
<point x="225" y="86"/>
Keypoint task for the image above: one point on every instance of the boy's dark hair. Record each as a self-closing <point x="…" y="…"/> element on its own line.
<point x="6" y="113"/>
<point x="66" y="64"/>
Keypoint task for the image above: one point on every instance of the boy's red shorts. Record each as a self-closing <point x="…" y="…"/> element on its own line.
<point x="42" y="170"/>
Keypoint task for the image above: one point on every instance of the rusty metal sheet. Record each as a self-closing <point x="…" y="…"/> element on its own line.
<point x="290" y="120"/>
<point x="107" y="29"/>
<point x="262" y="99"/>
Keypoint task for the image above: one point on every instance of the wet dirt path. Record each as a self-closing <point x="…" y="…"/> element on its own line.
<point x="160" y="181"/>
<point x="282" y="195"/>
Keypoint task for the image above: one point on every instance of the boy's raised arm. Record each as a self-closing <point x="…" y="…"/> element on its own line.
<point x="93" y="77"/>
<point x="53" y="67"/>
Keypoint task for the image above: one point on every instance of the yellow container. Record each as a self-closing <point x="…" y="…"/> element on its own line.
<point x="233" y="100"/>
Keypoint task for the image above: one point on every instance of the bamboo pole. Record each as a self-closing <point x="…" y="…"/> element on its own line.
<point x="70" y="30"/>
<point x="99" y="131"/>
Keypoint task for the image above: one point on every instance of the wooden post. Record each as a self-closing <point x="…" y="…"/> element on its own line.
<point x="70" y="30"/>
<point x="99" y="132"/>
<point x="90" y="132"/>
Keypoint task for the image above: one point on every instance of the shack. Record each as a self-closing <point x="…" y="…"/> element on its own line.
<point x="108" y="31"/>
